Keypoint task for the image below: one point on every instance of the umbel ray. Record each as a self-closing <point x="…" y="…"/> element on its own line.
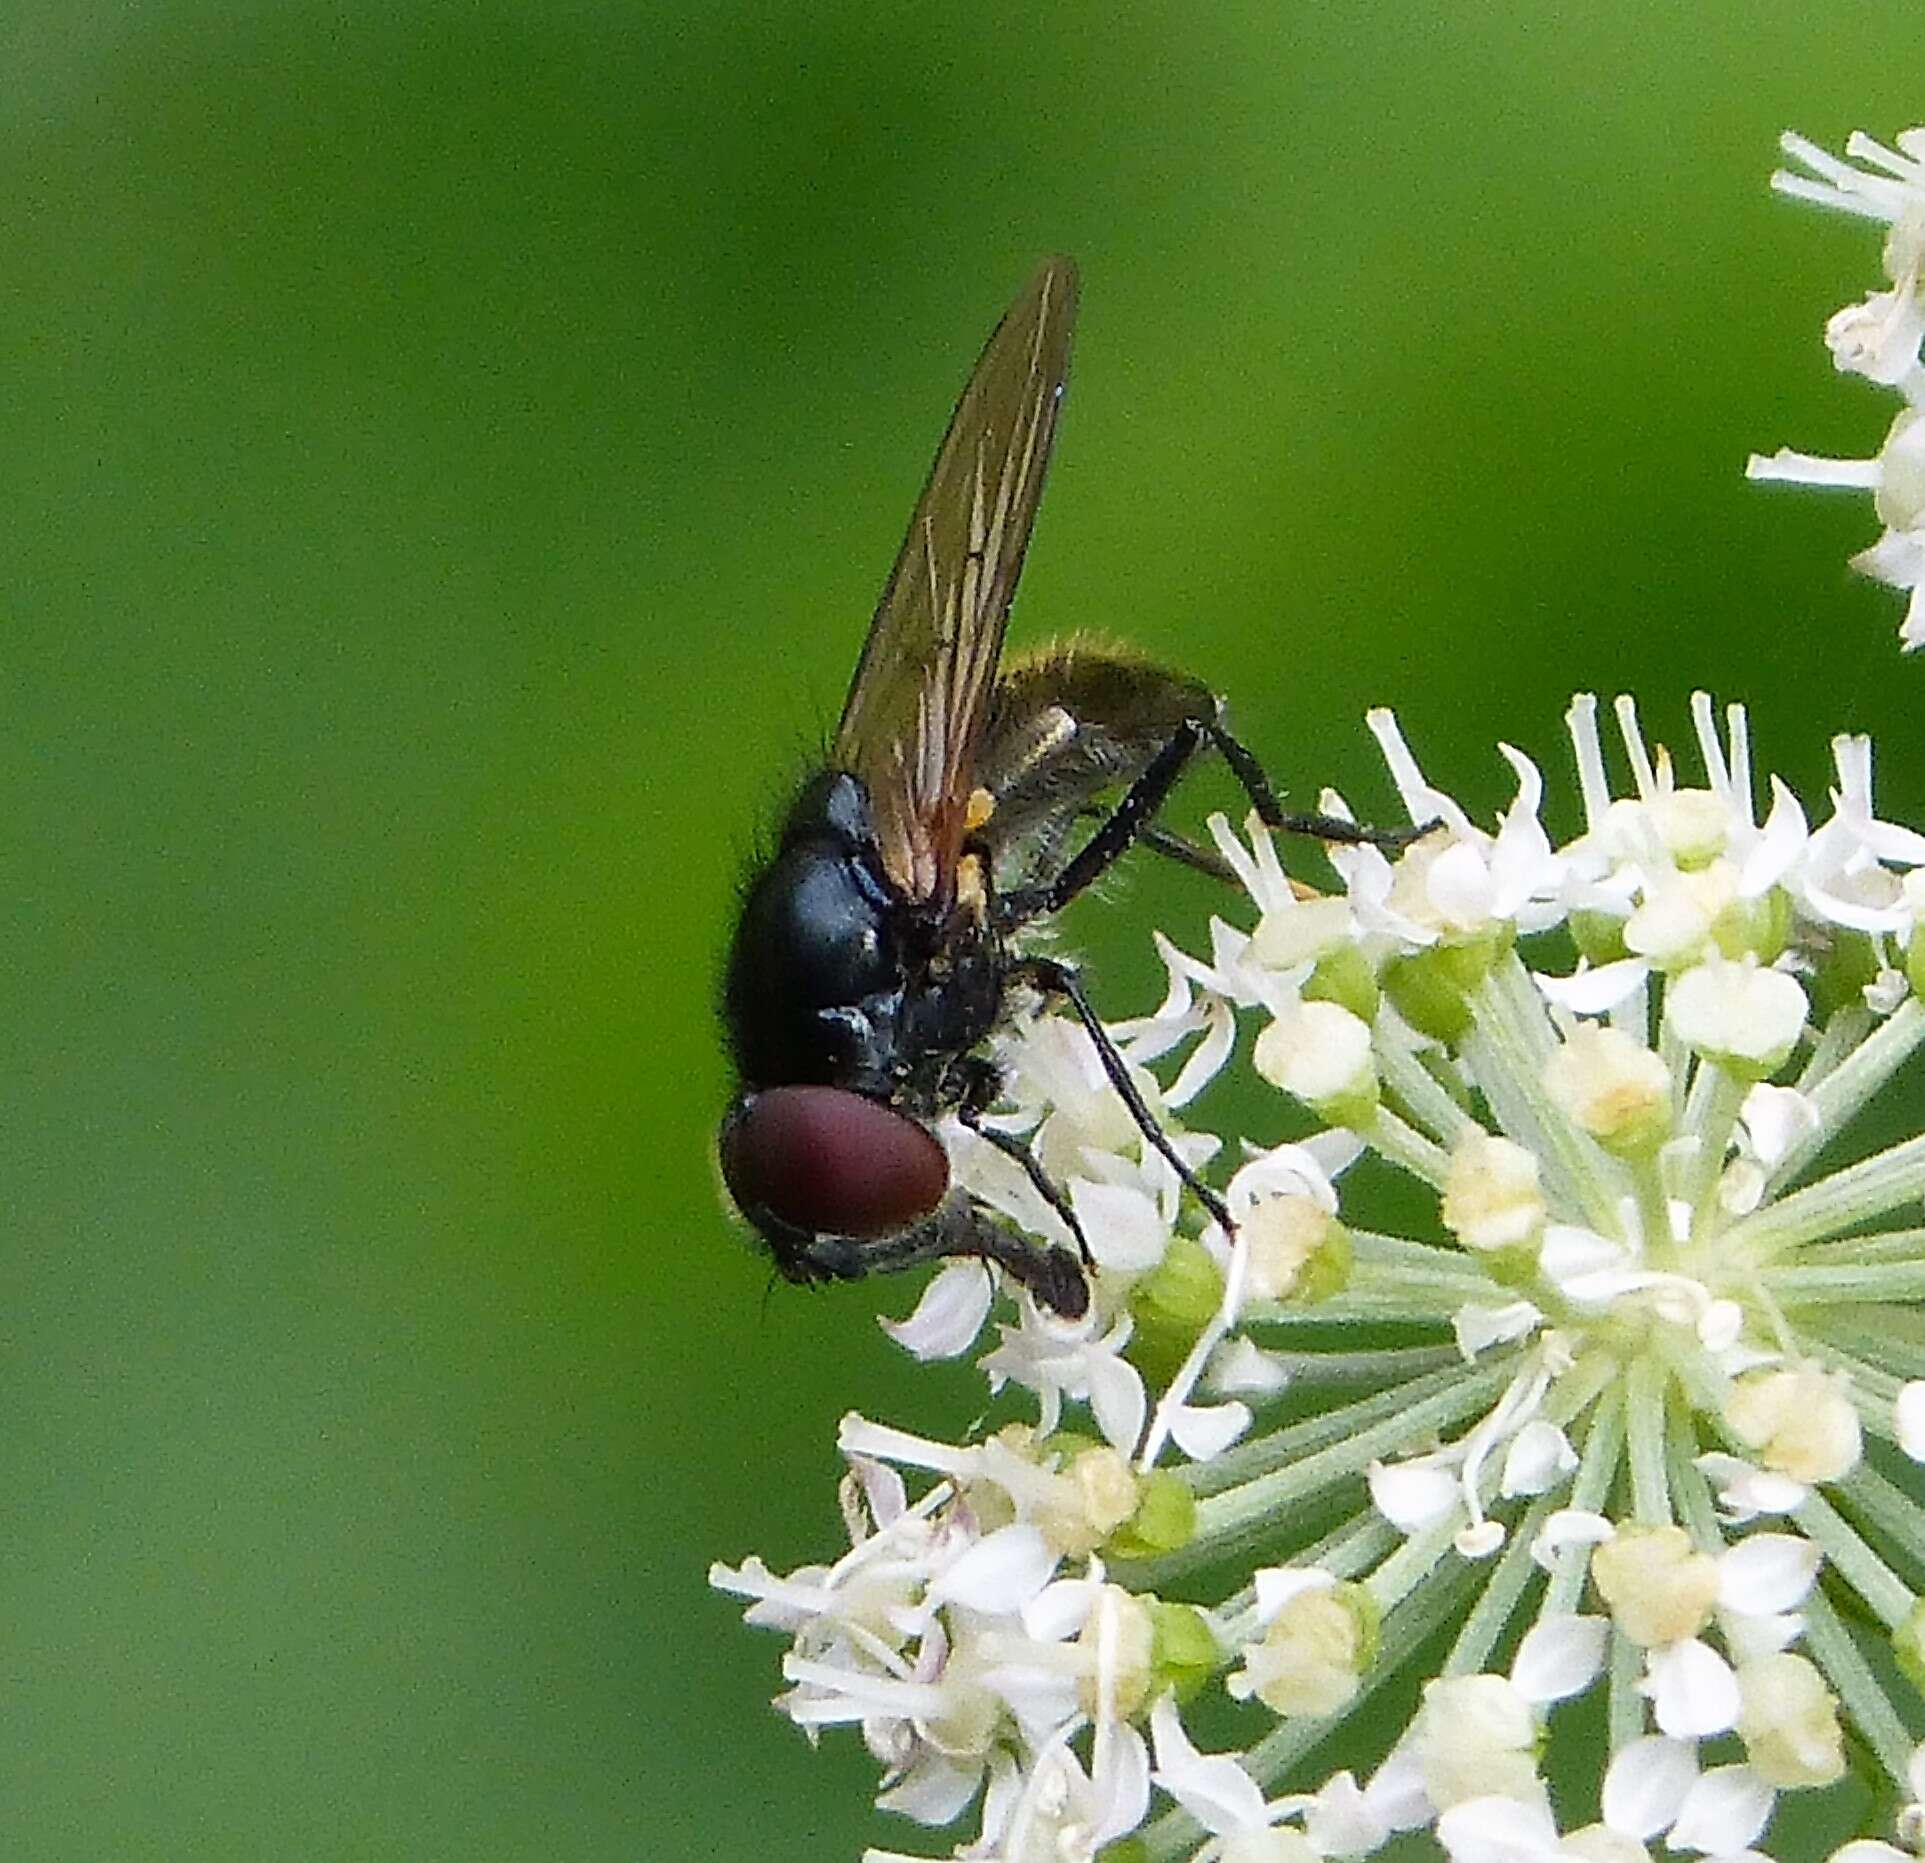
<point x="881" y="946"/>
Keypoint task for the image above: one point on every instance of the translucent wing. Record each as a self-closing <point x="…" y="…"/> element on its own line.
<point x="916" y="707"/>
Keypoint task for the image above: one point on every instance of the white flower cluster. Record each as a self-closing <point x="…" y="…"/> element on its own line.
<point x="1878" y="339"/>
<point x="1634" y="1425"/>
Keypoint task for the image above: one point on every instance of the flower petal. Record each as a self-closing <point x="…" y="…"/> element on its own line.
<point x="1560" y="1656"/>
<point x="1646" y="1785"/>
<point x="949" y="1315"/>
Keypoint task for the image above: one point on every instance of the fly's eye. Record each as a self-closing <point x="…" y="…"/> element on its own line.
<point x="831" y="1162"/>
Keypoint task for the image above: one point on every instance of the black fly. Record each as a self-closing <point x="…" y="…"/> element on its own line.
<point x="878" y="950"/>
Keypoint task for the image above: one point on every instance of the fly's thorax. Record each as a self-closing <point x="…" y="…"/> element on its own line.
<point x="818" y="965"/>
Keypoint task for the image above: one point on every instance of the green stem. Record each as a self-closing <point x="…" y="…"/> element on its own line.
<point x="1842" y="1091"/>
<point x="1803" y="1285"/>
<point x="1855" y="1562"/>
<point x="1644" y="1419"/>
<point x="1235" y="1513"/>
<point x="1500" y="1597"/>
<point x="1402" y="1144"/>
<point x="1834" y="1204"/>
<point x="1597" y="1469"/>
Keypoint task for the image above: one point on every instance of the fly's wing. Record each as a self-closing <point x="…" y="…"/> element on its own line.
<point x="916" y="707"/>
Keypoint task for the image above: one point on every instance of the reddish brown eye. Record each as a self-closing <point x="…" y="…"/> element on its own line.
<point x="832" y="1162"/>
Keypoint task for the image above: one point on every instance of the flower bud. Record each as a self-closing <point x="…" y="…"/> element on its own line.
<point x="1094" y="1493"/>
<point x="1344" y="976"/>
<point x="1660" y="1589"/>
<point x="1171" y="1305"/>
<point x="1740" y="1016"/>
<point x="1598" y="1843"/>
<point x="1183" y="1649"/>
<point x="1279" y="1844"/>
<point x="1312" y="1658"/>
<point x="1672" y="924"/>
<point x="1692" y="824"/>
<point x="1491" y="1195"/>
<point x="1477" y="1738"/>
<point x="1296" y="1248"/>
<point x="1432" y="988"/>
<point x="1613" y="1087"/>
<point x="1789" y="1722"/>
<point x="1320" y="1054"/>
<point x="1908" y="1644"/>
<point x="1118" y="1634"/>
<point x="1164" y="1518"/>
<point x="1801" y="1422"/>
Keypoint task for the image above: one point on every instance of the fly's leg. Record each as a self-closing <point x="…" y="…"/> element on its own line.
<point x="982" y="1086"/>
<point x="1052" y="1193"/>
<point x="1134" y="817"/>
<point x="959" y="1227"/>
<point x="1058" y="979"/>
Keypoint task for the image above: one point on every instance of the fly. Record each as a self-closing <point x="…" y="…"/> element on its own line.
<point x="881" y="946"/>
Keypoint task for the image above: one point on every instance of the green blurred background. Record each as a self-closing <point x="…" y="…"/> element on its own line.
<point x="450" y="454"/>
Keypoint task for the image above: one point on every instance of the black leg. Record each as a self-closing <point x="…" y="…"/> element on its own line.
<point x="1249" y="772"/>
<point x="959" y="1227"/>
<point x="1130" y="817"/>
<point x="1133" y="819"/>
<point x="1012" y="1147"/>
<point x="1059" y="980"/>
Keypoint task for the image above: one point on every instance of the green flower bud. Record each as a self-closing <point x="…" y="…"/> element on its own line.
<point x="1183" y="1648"/>
<point x="1908" y="1644"/>
<point x="1171" y="1305"/>
<point x="1344" y="977"/>
<point x="1432" y="988"/>
<point x="1598" y="936"/>
<point x="1165" y="1518"/>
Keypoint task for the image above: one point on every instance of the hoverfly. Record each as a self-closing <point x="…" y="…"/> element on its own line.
<point x="879" y="948"/>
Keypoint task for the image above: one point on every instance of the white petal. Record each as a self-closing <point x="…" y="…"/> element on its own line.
<point x="1776" y="1119"/>
<point x="1124" y="1226"/>
<point x="1205" y="1430"/>
<point x="1567" y="1527"/>
<point x="1060" y="1610"/>
<point x="934" y="1791"/>
<point x="1646" y="1784"/>
<point x="1559" y="1657"/>
<point x="1498" y="1830"/>
<point x="1001" y="1572"/>
<point x="1459" y="885"/>
<point x="1593" y="991"/>
<point x="1744" y="1491"/>
<point x="1479" y="1540"/>
<point x="1396" y="1790"/>
<point x="949" y="1315"/>
<point x="1693" y="1691"/>
<point x="1116" y="1400"/>
<point x="1212" y="1788"/>
<point x="1339" y="1820"/>
<point x="1767" y="1572"/>
<point x="1765" y="1634"/>
<point x="1571" y="1253"/>
<point x="1723" y="1812"/>
<point x="1122" y="1781"/>
<point x="1241" y="1366"/>
<point x="1278" y="1584"/>
<point x="1412" y="1495"/>
<point x="1777" y="848"/>
<point x="1539" y="1457"/>
<point x="1870" y="1850"/>
<point x="1478" y="1326"/>
<point x="1910" y="1419"/>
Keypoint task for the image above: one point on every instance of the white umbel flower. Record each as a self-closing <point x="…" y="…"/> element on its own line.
<point x="1878" y="339"/>
<point x="1627" y="1420"/>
